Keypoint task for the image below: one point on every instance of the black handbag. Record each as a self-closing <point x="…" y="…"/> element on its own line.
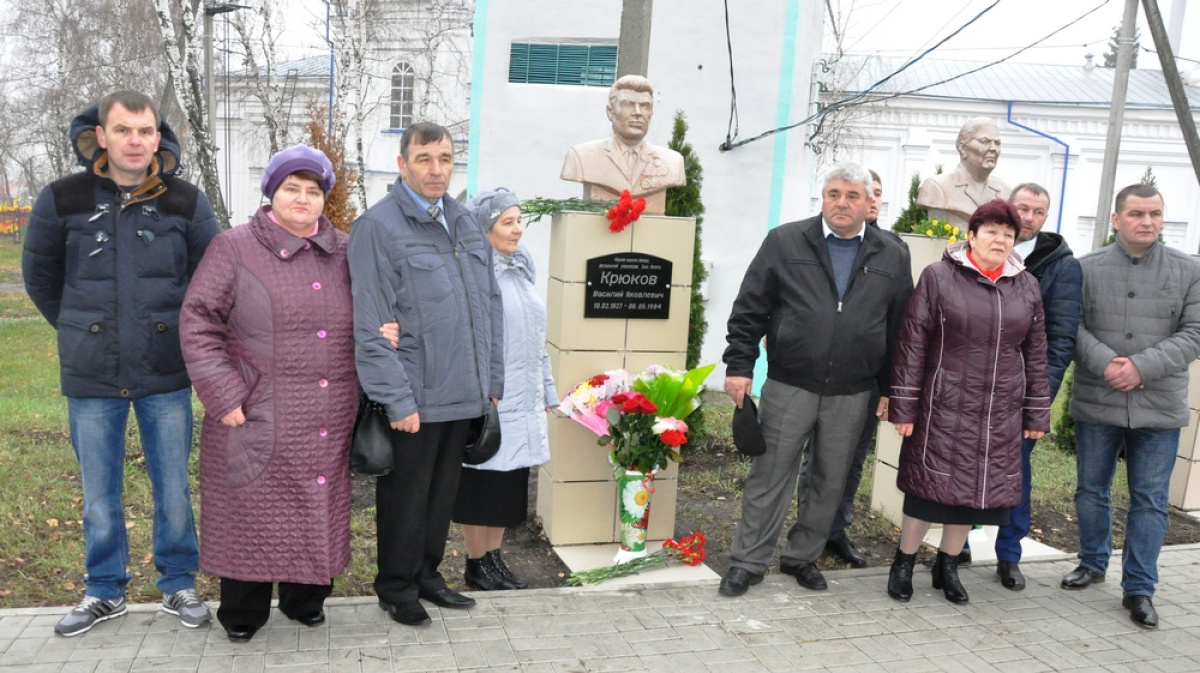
<point x="371" y="448"/>
<point x="484" y="437"/>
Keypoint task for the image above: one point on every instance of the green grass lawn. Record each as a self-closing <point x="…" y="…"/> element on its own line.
<point x="10" y="260"/>
<point x="41" y="537"/>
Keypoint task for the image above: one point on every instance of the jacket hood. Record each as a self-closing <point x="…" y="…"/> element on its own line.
<point x="1049" y="248"/>
<point x="520" y="260"/>
<point x="957" y="254"/>
<point x="87" y="147"/>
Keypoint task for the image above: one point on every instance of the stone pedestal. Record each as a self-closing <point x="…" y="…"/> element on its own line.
<point x="577" y="496"/>
<point x="1185" y="479"/>
<point x="885" y="497"/>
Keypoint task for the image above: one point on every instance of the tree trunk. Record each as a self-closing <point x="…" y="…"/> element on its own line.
<point x="183" y="58"/>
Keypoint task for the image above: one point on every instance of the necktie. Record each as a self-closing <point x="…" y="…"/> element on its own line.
<point x="434" y="212"/>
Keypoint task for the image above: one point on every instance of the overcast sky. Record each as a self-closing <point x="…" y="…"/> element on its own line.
<point x="904" y="28"/>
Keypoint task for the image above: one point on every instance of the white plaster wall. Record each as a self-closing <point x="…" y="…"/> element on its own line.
<point x="526" y="129"/>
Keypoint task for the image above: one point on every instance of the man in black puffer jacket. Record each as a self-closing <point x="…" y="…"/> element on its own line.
<point x="1048" y="257"/>
<point x="108" y="257"/>
<point x="827" y="293"/>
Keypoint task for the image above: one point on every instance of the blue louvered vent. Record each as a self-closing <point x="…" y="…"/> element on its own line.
<point x="569" y="64"/>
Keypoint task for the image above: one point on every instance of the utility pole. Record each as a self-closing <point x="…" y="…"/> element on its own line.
<point x="1116" y="117"/>
<point x="210" y="85"/>
<point x="633" y="50"/>
<point x="1187" y="124"/>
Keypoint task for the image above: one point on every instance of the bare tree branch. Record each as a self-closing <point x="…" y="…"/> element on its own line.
<point x="182" y="50"/>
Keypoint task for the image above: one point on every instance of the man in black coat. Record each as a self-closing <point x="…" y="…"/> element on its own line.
<point x="1048" y="257"/>
<point x="827" y="293"/>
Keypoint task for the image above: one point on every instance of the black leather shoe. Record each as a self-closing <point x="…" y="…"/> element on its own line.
<point x="407" y="612"/>
<point x="1010" y="575"/>
<point x="448" y="598"/>
<point x="1141" y="611"/>
<point x="737" y="581"/>
<point x="945" y="577"/>
<point x="844" y="549"/>
<point x="806" y="575"/>
<point x="1081" y="578"/>
<point x="312" y="619"/>
<point x="242" y="633"/>
<point x="900" y="576"/>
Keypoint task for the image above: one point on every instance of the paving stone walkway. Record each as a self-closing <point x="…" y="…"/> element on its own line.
<point x="777" y="626"/>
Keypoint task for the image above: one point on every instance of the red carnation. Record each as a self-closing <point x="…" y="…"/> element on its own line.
<point x="598" y="380"/>
<point x="673" y="438"/>
<point x="625" y="212"/>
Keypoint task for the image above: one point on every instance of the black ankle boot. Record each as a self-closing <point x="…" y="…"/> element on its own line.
<point x="502" y="570"/>
<point x="945" y="577"/>
<point x="480" y="575"/>
<point x="900" y="577"/>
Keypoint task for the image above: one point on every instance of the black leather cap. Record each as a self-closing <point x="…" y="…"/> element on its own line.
<point x="747" y="434"/>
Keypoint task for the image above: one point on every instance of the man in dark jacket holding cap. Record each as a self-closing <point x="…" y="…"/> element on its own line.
<point x="827" y="293"/>
<point x="108" y="257"/>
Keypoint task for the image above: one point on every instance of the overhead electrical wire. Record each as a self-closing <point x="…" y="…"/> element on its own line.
<point x="857" y="97"/>
<point x="984" y="66"/>
<point x="731" y="131"/>
<point x="727" y="145"/>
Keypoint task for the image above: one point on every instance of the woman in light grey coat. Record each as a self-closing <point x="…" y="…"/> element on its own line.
<point x="494" y="495"/>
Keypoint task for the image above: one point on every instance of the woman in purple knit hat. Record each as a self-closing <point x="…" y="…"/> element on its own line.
<point x="266" y="330"/>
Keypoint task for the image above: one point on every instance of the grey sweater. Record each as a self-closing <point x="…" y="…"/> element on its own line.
<point x="1146" y="309"/>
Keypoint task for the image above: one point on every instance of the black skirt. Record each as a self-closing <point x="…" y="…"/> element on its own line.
<point x="491" y="498"/>
<point x="936" y="512"/>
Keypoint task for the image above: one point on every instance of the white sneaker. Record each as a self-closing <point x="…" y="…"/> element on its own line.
<point x="192" y="611"/>
<point x="88" y="613"/>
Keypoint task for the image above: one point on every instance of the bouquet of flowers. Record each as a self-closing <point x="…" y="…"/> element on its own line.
<point x="640" y="418"/>
<point x="689" y="550"/>
<point x="625" y="212"/>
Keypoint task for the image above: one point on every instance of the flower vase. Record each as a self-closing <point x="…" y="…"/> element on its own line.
<point x="634" y="489"/>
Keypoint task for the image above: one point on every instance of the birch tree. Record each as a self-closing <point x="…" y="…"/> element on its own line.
<point x="257" y="34"/>
<point x="354" y="31"/>
<point x="182" y="50"/>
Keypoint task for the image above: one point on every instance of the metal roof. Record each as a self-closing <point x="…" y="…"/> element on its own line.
<point x="1018" y="82"/>
<point x="313" y="67"/>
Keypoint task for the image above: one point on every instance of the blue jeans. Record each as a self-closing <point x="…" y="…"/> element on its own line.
<point x="1008" y="538"/>
<point x="1149" y="459"/>
<point x="98" y="435"/>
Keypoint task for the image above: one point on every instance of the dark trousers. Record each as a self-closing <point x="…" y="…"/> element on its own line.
<point x="412" y="510"/>
<point x="1008" y="538"/>
<point x="249" y="603"/>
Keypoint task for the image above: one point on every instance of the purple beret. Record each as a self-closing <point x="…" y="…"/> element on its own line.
<point x="293" y="160"/>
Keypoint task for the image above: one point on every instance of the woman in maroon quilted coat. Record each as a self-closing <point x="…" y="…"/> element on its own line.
<point x="266" y="330"/>
<point x="969" y="380"/>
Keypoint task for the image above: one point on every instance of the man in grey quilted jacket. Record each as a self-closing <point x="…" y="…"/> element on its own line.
<point x="1140" y="331"/>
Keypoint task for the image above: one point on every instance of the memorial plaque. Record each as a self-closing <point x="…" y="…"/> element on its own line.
<point x="628" y="285"/>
